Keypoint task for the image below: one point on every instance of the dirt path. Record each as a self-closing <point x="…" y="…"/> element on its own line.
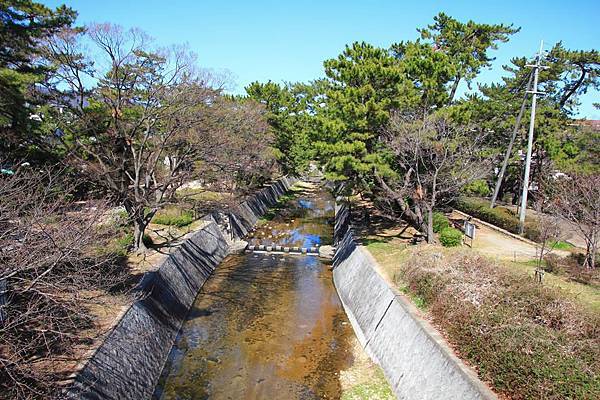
<point x="569" y="234"/>
<point x="498" y="245"/>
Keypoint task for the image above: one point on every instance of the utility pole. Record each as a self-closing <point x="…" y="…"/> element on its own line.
<point x="512" y="142"/>
<point x="536" y="68"/>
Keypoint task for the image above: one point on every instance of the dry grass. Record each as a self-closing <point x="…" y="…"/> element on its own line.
<point x="528" y="341"/>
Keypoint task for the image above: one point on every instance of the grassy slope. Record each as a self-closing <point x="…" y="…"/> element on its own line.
<point x="528" y="341"/>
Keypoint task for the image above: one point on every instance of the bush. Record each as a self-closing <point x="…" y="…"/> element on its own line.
<point x="499" y="216"/>
<point x="174" y="218"/>
<point x="553" y="264"/>
<point x="451" y="237"/>
<point x="478" y="187"/>
<point x="440" y="222"/>
<point x="535" y="343"/>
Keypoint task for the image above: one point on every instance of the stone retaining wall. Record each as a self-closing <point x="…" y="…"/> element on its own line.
<point x="248" y="212"/>
<point x="129" y="362"/>
<point x="416" y="361"/>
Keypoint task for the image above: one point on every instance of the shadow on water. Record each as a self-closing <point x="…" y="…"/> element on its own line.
<point x="266" y="326"/>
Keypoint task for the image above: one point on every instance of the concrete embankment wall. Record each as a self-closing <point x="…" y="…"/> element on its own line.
<point x="129" y="362"/>
<point x="249" y="212"/>
<point x="414" y="357"/>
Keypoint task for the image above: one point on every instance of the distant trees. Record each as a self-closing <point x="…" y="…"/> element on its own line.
<point x="365" y="83"/>
<point x="557" y="140"/>
<point x="414" y="160"/>
<point x="466" y="45"/>
<point x="290" y="111"/>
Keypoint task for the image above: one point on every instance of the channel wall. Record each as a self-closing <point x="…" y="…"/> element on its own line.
<point x="416" y="361"/>
<point x="129" y="362"/>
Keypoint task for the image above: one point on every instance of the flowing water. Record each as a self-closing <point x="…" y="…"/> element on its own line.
<point x="266" y="326"/>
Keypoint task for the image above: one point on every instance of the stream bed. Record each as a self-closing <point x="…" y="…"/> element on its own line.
<point x="267" y="326"/>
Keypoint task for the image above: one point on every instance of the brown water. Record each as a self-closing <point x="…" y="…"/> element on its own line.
<point x="266" y="326"/>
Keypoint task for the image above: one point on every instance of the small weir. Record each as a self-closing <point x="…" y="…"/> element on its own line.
<point x="261" y="248"/>
<point x="268" y="324"/>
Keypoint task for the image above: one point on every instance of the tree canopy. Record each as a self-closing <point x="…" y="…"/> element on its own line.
<point x="24" y="25"/>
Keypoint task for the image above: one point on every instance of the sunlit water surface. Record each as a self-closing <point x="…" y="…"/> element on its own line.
<point x="266" y="326"/>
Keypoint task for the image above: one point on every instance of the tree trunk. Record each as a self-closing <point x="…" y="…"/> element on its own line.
<point x="139" y="227"/>
<point x="413" y="217"/>
<point x="454" y="87"/>
<point x="430" y="236"/>
<point x="590" y="253"/>
<point x="574" y="87"/>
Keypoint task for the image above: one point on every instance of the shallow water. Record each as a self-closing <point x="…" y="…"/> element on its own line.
<point x="266" y="326"/>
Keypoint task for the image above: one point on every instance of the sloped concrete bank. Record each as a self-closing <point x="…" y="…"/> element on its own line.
<point x="129" y="362"/>
<point x="415" y="359"/>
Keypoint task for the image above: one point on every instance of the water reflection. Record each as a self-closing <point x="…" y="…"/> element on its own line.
<point x="266" y="326"/>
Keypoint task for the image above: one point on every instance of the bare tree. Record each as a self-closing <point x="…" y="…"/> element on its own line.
<point x="578" y="202"/>
<point x="548" y="231"/>
<point x="49" y="256"/>
<point x="434" y="159"/>
<point x="138" y="130"/>
<point x="246" y="158"/>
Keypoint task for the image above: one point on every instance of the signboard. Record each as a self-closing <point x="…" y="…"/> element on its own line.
<point x="469" y="230"/>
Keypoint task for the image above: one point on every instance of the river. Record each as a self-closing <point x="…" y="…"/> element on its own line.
<point x="267" y="326"/>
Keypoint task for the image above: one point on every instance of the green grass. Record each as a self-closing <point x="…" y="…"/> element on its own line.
<point x="560" y="245"/>
<point x="376" y="389"/>
<point x="273" y="211"/>
<point x="119" y="245"/>
<point x="389" y="254"/>
<point x="173" y="216"/>
<point x="200" y="195"/>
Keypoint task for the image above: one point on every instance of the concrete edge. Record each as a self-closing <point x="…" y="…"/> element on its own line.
<point x="138" y="288"/>
<point x="435" y="335"/>
<point x="476" y="389"/>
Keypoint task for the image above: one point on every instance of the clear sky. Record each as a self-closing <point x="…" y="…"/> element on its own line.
<point x="288" y="40"/>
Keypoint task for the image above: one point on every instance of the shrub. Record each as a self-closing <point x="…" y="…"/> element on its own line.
<point x="440" y="222"/>
<point x="535" y="343"/>
<point x="451" y="237"/>
<point x="478" y="187"/>
<point x="499" y="216"/>
<point x="553" y="264"/>
<point x="172" y="218"/>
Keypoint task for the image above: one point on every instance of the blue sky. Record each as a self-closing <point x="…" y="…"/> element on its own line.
<point x="288" y="40"/>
